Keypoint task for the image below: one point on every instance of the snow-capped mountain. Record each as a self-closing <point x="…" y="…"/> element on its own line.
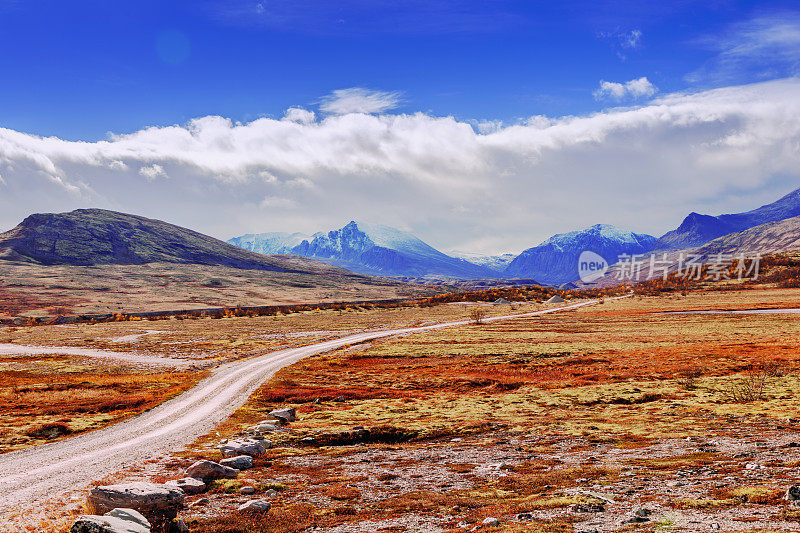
<point x="555" y="261"/>
<point x="373" y="249"/>
<point x="269" y="243"/>
<point x="498" y="263"/>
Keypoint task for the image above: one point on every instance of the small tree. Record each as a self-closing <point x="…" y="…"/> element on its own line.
<point x="477" y="315"/>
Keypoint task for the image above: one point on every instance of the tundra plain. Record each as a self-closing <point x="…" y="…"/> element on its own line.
<point x="620" y="416"/>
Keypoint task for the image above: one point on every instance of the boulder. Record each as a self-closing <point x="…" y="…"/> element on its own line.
<point x="130" y="515"/>
<point x="245" y="446"/>
<point x="208" y="470"/>
<point x="490" y="521"/>
<point x="159" y="504"/>
<point x="256" y="505"/>
<point x="266" y="426"/>
<point x="240" y="462"/>
<point x="106" y="524"/>
<point x="287" y="413"/>
<point x="793" y="493"/>
<point x="189" y="485"/>
<point x="247" y="489"/>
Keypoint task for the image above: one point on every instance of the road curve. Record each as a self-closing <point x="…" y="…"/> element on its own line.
<point x="30" y="476"/>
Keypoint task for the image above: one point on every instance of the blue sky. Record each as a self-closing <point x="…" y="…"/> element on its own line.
<point x="81" y="69"/>
<point x="478" y="126"/>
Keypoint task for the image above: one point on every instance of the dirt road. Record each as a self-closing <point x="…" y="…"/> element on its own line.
<point x="33" y="475"/>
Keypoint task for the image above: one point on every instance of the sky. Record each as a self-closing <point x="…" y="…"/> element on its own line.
<point x="477" y="126"/>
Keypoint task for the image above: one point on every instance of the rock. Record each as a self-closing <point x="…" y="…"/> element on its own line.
<point x="208" y="470"/>
<point x="588" y="507"/>
<point x="288" y="414"/>
<point x="189" y="485"/>
<point x="106" y="524"/>
<point x="255" y="505"/>
<point x="245" y="446"/>
<point x="130" y="515"/>
<point x="490" y="521"/>
<point x="247" y="489"/>
<point x="266" y="426"/>
<point x="793" y="493"/>
<point x="199" y="503"/>
<point x="240" y="462"/>
<point x="159" y="504"/>
<point x="640" y="516"/>
<point x="525" y="516"/>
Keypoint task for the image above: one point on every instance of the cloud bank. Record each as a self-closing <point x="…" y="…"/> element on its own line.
<point x="642" y="168"/>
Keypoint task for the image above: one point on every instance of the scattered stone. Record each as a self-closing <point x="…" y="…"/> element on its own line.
<point x="288" y="414"/>
<point x="490" y="521"/>
<point x="588" y="508"/>
<point x="266" y="426"/>
<point x="106" y="524"/>
<point x="246" y="446"/>
<point x="640" y="516"/>
<point x="247" y="490"/>
<point x="159" y="504"/>
<point x="207" y="470"/>
<point x="130" y="515"/>
<point x="255" y="505"/>
<point x="240" y="462"/>
<point x="189" y="485"/>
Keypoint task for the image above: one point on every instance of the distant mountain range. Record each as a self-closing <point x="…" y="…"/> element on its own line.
<point x="555" y="261"/>
<point x="368" y="249"/>
<point x="98" y="237"/>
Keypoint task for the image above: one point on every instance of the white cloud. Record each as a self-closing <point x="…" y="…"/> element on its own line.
<point x="637" y="88"/>
<point x="153" y="172"/>
<point x="643" y="168"/>
<point x="630" y="39"/>
<point x="764" y="47"/>
<point x="359" y="100"/>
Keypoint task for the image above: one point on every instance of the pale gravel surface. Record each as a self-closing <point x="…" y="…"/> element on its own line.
<point x="34" y="475"/>
<point x="127" y="357"/>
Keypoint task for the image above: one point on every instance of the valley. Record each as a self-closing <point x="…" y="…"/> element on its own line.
<point x="559" y="422"/>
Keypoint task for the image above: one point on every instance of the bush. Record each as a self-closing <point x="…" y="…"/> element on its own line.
<point x="751" y="385"/>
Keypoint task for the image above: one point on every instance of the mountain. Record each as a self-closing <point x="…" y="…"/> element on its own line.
<point x="269" y="243"/>
<point x="555" y="261"/>
<point x="96" y="237"/>
<point x="378" y="250"/>
<point x="498" y="263"/>
<point x="772" y="237"/>
<point x="697" y="229"/>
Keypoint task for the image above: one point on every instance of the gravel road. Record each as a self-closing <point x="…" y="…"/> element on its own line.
<point x="31" y="476"/>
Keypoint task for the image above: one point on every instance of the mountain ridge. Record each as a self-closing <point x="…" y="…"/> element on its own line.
<point x="380" y="250"/>
<point x="85" y="237"/>
<point x="555" y="260"/>
<point x="697" y="229"/>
